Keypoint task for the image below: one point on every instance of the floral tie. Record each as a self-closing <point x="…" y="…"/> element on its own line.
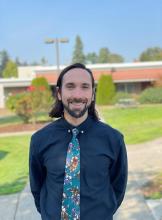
<point x="71" y="191"/>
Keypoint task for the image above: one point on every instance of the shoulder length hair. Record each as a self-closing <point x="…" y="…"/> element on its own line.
<point x="58" y="109"/>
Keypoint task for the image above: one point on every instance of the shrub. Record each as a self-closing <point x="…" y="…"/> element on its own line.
<point x="24" y="108"/>
<point x="105" y="90"/>
<point x="40" y="82"/>
<point x="151" y="95"/>
<point x="21" y="105"/>
<point x="37" y="99"/>
<point x="120" y="95"/>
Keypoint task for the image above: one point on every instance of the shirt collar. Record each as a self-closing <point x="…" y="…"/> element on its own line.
<point x="83" y="127"/>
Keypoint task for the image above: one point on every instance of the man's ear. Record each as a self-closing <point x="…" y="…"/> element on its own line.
<point x="58" y="93"/>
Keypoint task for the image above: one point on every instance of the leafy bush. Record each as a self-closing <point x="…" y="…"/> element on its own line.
<point x="105" y="90"/>
<point x="40" y="82"/>
<point x="151" y="95"/>
<point x="120" y="95"/>
<point x="11" y="101"/>
<point x="37" y="99"/>
<point x="21" y="105"/>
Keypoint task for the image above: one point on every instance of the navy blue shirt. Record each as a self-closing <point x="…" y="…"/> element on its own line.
<point x="103" y="168"/>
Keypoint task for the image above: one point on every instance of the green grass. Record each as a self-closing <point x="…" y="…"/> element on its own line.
<point x="13" y="163"/>
<point x="137" y="124"/>
<point x="14" y="119"/>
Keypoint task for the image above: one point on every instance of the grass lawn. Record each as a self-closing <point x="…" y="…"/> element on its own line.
<point x="137" y="124"/>
<point x="13" y="163"/>
<point x="14" y="119"/>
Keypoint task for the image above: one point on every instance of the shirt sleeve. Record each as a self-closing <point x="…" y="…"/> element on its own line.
<point x="119" y="173"/>
<point x="35" y="174"/>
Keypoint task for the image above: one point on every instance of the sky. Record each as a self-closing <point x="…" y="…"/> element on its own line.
<point x="123" y="26"/>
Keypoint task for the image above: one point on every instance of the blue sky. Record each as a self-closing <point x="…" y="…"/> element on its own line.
<point x="125" y="27"/>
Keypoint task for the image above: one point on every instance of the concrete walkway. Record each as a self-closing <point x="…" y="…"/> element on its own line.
<point x="144" y="161"/>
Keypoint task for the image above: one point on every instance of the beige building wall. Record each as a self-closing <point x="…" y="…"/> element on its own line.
<point x="2" y="97"/>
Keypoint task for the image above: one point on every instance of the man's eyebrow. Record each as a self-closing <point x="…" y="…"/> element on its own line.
<point x="69" y="83"/>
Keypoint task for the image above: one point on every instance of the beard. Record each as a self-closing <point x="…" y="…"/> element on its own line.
<point x="76" y="113"/>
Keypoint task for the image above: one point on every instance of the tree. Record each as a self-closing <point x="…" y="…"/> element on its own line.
<point x="41" y="96"/>
<point x="105" y="90"/>
<point x="43" y="61"/>
<point x="115" y="58"/>
<point x="103" y="56"/>
<point x="10" y="70"/>
<point x="78" y="55"/>
<point x="4" y="58"/>
<point x="18" y="62"/>
<point x="91" y="58"/>
<point x="151" y="54"/>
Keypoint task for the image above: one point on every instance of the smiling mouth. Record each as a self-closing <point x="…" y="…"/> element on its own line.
<point x="77" y="104"/>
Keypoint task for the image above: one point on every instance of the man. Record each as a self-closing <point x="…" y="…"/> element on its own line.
<point x="101" y="160"/>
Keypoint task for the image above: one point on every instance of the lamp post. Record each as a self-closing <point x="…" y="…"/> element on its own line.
<point x="57" y="41"/>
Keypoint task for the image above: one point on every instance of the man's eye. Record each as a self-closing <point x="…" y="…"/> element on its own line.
<point x="85" y="87"/>
<point x="69" y="86"/>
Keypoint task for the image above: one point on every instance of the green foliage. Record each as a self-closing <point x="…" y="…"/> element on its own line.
<point x="103" y="56"/>
<point x="37" y="99"/>
<point x="20" y="104"/>
<point x="151" y="95"/>
<point x="10" y="70"/>
<point x="105" y="90"/>
<point x="115" y="58"/>
<point x="24" y="108"/>
<point x="91" y="58"/>
<point x="4" y="58"/>
<point x="41" y="95"/>
<point x="151" y="54"/>
<point x="40" y="82"/>
<point x="78" y="55"/>
<point x="120" y="95"/>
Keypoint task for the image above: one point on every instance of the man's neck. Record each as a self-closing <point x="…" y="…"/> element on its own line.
<point x="75" y="121"/>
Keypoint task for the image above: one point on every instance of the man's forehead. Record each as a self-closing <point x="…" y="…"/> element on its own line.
<point x="77" y="74"/>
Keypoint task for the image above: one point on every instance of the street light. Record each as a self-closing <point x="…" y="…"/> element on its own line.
<point x="57" y="41"/>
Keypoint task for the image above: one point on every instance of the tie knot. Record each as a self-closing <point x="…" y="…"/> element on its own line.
<point x="75" y="131"/>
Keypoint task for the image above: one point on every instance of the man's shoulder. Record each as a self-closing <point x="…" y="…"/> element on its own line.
<point x="46" y="130"/>
<point x="107" y="129"/>
<point x="105" y="126"/>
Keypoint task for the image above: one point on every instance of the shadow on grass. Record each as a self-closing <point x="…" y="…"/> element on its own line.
<point x="3" y="154"/>
<point x="10" y="119"/>
<point x="13" y="187"/>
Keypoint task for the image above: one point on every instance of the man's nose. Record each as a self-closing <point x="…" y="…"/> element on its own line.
<point x="77" y="93"/>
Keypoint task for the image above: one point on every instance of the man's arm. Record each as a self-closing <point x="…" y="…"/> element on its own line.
<point x="36" y="175"/>
<point x="119" y="173"/>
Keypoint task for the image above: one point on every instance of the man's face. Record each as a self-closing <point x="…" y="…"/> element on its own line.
<point x="76" y="93"/>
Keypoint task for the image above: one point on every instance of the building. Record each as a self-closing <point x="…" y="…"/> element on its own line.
<point x="128" y="77"/>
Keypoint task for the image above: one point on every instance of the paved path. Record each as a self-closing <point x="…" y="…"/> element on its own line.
<point x="144" y="161"/>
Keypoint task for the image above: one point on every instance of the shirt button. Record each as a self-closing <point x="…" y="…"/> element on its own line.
<point x="82" y="132"/>
<point x="69" y="131"/>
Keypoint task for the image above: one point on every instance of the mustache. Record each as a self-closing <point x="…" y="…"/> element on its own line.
<point x="80" y="100"/>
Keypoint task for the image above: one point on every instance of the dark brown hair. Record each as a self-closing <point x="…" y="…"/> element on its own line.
<point x="58" y="109"/>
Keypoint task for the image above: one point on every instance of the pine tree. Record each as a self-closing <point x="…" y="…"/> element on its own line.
<point x="78" y="55"/>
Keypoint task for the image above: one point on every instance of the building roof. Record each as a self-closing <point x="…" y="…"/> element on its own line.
<point x="123" y="72"/>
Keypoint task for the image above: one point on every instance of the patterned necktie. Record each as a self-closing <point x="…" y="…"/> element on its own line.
<point x="71" y="191"/>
